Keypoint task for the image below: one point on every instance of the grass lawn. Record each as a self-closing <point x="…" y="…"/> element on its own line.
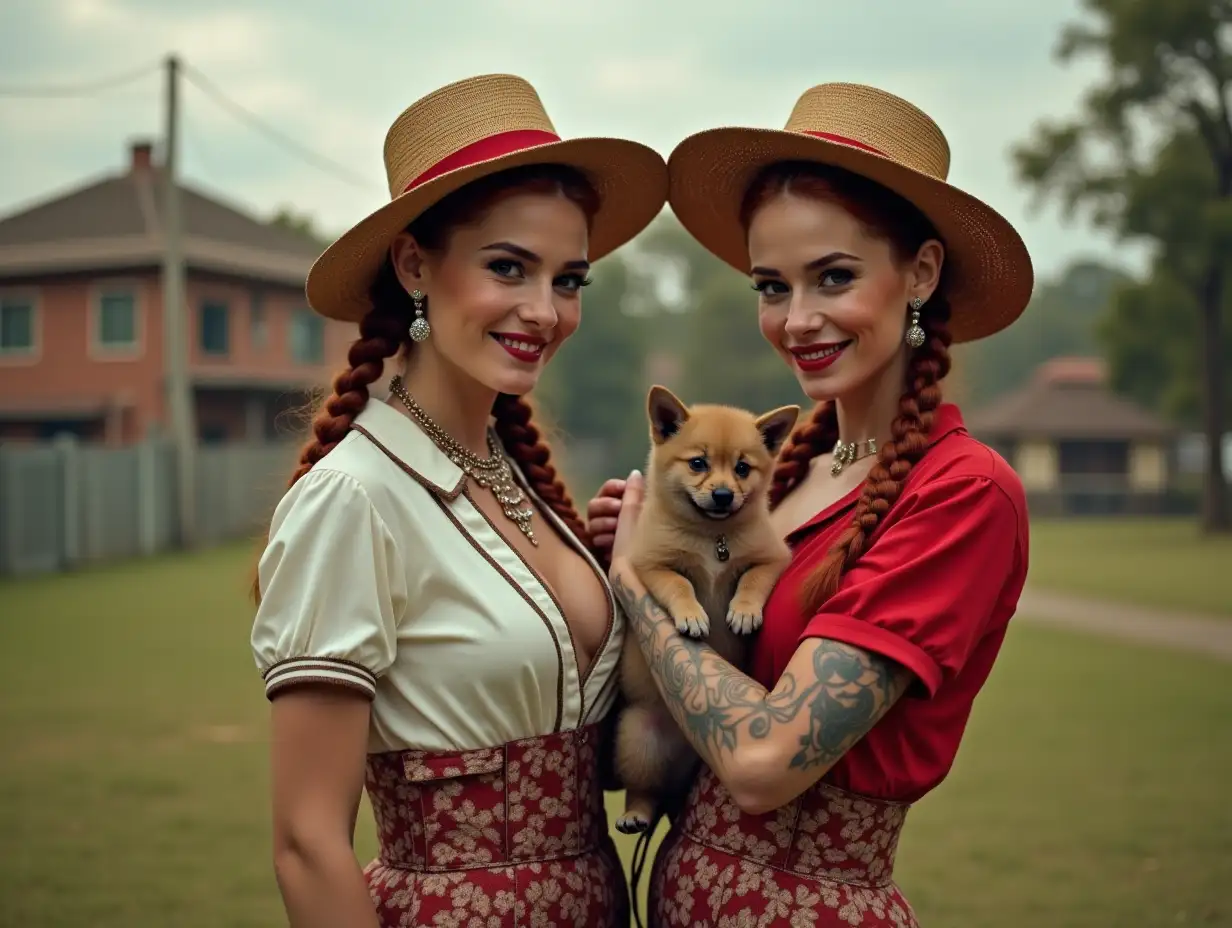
<point x="1092" y="790"/>
<point x="1164" y="563"/>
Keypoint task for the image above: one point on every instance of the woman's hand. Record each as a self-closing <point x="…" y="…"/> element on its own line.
<point x="626" y="522"/>
<point x="603" y="512"/>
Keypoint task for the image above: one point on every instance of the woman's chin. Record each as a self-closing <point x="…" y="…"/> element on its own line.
<point x="517" y="383"/>
<point x="819" y="388"/>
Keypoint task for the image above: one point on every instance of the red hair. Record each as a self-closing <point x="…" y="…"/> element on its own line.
<point x="384" y="330"/>
<point x="890" y="217"/>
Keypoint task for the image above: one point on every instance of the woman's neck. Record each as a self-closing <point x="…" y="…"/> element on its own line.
<point x="460" y="406"/>
<point x="869" y="411"/>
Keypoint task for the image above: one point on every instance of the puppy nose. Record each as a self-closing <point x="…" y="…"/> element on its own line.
<point x="722" y="497"/>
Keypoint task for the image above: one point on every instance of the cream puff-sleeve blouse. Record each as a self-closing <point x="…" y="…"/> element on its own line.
<point x="382" y="575"/>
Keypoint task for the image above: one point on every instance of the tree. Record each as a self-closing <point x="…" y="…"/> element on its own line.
<point x="1063" y="320"/>
<point x="594" y="386"/>
<point x="726" y="360"/>
<point x="300" y="223"/>
<point x="1169" y="74"/>
<point x="672" y="269"/>
<point x="1150" y="341"/>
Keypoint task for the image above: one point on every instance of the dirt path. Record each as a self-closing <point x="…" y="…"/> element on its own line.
<point x="1185" y="631"/>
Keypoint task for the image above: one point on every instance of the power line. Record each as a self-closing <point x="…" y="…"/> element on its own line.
<point x="88" y="89"/>
<point x="212" y="91"/>
<point x="202" y="83"/>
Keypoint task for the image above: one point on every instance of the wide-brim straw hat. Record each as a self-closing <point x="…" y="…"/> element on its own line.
<point x="460" y="133"/>
<point x="886" y="139"/>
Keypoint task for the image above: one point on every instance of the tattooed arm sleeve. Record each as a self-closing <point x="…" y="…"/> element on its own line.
<point x="766" y="747"/>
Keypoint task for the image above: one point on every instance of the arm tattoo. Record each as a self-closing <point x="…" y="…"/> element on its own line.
<point x="709" y="698"/>
<point x="716" y="705"/>
<point x="853" y="690"/>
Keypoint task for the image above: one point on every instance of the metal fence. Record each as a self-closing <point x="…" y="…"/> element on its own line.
<point x="64" y="504"/>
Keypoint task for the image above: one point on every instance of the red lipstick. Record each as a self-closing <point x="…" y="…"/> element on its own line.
<point x="818" y="356"/>
<point x="526" y="348"/>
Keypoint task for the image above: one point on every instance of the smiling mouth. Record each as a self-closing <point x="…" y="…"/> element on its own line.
<point x="823" y="353"/>
<point x="520" y="347"/>
<point x="817" y="357"/>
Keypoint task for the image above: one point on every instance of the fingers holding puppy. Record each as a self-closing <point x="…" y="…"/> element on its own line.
<point x="603" y="513"/>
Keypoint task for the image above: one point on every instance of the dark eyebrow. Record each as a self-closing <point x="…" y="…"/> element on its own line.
<point x="527" y="255"/>
<point x="513" y="250"/>
<point x="829" y="259"/>
<point x="811" y="266"/>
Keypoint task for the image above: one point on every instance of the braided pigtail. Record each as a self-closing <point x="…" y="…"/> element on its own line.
<point x="380" y="337"/>
<point x="381" y="333"/>
<point x="518" y="433"/>
<point x="926" y="368"/>
<point x="817" y="435"/>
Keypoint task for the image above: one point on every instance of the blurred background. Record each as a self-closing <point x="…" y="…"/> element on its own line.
<point x="200" y="155"/>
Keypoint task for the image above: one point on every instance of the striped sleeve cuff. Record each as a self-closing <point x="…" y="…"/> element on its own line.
<point x="318" y="670"/>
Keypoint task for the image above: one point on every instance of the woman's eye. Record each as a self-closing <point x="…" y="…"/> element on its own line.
<point x="572" y="283"/>
<point x="837" y="277"/>
<point x="770" y="287"/>
<point x="503" y="267"/>
<point x="698" y="465"/>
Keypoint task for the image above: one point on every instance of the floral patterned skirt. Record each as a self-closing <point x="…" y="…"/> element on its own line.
<point x="503" y="836"/>
<point x="825" y="859"/>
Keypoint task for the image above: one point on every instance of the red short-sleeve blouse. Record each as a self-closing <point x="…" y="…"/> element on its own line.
<point x="934" y="591"/>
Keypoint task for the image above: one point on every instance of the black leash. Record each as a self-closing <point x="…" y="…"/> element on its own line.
<point x="640" y="851"/>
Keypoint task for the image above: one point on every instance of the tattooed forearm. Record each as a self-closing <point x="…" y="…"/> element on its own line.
<point x="816" y="716"/>
<point x="709" y="698"/>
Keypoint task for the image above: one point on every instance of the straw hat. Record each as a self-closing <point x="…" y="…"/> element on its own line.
<point x="464" y="131"/>
<point x="886" y="139"/>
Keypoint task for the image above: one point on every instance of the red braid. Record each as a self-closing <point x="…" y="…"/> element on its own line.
<point x="518" y="433"/>
<point x="380" y="335"/>
<point x="927" y="367"/>
<point x="816" y="435"/>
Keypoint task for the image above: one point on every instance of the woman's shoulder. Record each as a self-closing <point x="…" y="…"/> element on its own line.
<point x="956" y="457"/>
<point x="352" y="485"/>
<point x="389" y="458"/>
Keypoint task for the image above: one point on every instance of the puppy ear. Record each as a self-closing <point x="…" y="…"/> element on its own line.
<point x="776" y="425"/>
<point x="666" y="413"/>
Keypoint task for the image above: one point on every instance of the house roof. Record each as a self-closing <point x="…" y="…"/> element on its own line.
<point x="1067" y="398"/>
<point x="117" y="222"/>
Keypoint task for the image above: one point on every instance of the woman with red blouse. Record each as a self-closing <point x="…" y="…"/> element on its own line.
<point x="909" y="537"/>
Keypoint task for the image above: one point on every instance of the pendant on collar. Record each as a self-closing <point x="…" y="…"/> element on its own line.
<point x="720" y="548"/>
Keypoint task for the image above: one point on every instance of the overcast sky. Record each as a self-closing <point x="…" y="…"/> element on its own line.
<point x="333" y="75"/>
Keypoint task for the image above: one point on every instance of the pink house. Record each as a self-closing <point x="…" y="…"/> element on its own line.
<point x="81" y="315"/>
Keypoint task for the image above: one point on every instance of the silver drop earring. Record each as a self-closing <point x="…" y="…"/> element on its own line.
<point x="915" y="335"/>
<point x="420" y="329"/>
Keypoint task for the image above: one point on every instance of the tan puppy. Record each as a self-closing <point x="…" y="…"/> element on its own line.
<point x="704" y="549"/>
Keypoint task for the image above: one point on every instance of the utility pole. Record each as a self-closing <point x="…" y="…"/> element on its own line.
<point x="175" y="323"/>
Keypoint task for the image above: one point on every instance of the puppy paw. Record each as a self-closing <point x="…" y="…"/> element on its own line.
<point x="743" y="618"/>
<point x="632" y="823"/>
<point x="693" y="624"/>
